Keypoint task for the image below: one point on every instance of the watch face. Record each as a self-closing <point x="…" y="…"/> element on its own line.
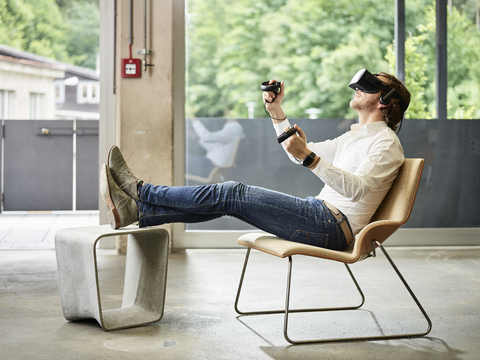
<point x="308" y="159"/>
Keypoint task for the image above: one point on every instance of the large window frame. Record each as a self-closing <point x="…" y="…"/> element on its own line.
<point x="228" y="239"/>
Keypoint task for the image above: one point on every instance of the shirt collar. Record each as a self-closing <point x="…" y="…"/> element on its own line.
<point x="368" y="128"/>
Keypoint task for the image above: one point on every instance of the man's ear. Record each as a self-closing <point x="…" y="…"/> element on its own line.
<point x="380" y="105"/>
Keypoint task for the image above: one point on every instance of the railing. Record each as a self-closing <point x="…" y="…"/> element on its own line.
<point x="53" y="165"/>
<point x="449" y="194"/>
<point x="49" y="165"/>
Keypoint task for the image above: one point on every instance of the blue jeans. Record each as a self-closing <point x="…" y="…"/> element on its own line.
<point x="306" y="221"/>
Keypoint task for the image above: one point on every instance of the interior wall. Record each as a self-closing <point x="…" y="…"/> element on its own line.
<point x="144" y="113"/>
<point x="143" y="109"/>
<point x="145" y="105"/>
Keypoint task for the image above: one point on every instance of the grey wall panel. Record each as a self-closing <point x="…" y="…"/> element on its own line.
<point x="87" y="165"/>
<point x="38" y="165"/>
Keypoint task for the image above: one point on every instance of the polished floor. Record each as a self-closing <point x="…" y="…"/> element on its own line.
<point x="200" y="322"/>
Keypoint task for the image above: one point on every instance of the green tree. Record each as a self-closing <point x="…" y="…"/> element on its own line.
<point x="316" y="46"/>
<point x="463" y="79"/>
<point x="68" y="33"/>
<point x="82" y="20"/>
<point x="416" y="77"/>
<point x="10" y="34"/>
<point x="35" y="26"/>
<point x="334" y="81"/>
<point x="463" y="46"/>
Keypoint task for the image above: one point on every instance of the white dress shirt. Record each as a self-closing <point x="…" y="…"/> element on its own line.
<point x="358" y="168"/>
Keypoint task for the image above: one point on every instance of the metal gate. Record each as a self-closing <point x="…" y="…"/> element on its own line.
<point x="50" y="165"/>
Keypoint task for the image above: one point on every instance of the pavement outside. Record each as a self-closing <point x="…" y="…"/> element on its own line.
<point x="37" y="230"/>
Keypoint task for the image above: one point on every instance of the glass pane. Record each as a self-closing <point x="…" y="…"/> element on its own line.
<point x="36" y="106"/>
<point x="453" y="163"/>
<point x="2" y="105"/>
<point x="420" y="18"/>
<point x="448" y="194"/>
<point x="463" y="46"/>
<point x="315" y="46"/>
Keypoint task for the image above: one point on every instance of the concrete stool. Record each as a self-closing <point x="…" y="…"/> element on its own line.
<point x="145" y="275"/>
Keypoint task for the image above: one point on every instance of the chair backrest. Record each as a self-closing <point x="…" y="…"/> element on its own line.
<point x="395" y="208"/>
<point x="231" y="162"/>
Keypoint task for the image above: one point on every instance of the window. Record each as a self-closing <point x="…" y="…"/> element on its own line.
<point x="463" y="49"/>
<point x="37" y="106"/>
<point x="59" y="91"/>
<point x="6" y="104"/>
<point x="316" y="46"/>
<point x="88" y="92"/>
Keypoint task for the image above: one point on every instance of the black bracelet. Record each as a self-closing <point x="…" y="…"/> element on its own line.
<point x="268" y="113"/>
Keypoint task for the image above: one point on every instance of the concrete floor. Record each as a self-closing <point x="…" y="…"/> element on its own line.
<point x="200" y="323"/>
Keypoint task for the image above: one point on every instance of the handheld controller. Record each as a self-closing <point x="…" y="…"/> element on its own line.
<point x="275" y="87"/>
<point x="286" y="134"/>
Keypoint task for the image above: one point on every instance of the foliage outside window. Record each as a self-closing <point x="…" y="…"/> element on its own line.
<point x="64" y="30"/>
<point x="316" y="46"/>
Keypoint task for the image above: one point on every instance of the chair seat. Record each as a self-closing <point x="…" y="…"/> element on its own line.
<point x="274" y="245"/>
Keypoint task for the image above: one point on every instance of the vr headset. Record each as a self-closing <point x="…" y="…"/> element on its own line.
<point x="370" y="84"/>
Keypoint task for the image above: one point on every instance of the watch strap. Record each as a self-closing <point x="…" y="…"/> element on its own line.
<point x="309" y="159"/>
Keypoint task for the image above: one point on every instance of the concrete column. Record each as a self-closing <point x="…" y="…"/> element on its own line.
<point x="144" y="106"/>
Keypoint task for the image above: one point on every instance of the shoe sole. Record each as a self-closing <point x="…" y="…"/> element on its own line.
<point x="112" y="213"/>
<point x="108" y="155"/>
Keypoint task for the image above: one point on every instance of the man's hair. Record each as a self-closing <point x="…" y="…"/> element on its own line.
<point x="393" y="113"/>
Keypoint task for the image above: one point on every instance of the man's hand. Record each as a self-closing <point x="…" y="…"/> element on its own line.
<point x="273" y="103"/>
<point x="296" y="145"/>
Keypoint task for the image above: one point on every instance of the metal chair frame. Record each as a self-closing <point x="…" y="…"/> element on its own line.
<point x="287" y="309"/>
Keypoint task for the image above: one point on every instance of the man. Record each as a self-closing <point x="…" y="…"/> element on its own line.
<point x="357" y="168"/>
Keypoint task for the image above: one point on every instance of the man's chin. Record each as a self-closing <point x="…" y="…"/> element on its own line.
<point x="353" y="104"/>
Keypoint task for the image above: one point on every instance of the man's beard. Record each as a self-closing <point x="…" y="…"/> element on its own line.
<point x="364" y="105"/>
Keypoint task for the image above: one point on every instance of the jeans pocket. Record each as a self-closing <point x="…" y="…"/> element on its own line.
<point x="310" y="238"/>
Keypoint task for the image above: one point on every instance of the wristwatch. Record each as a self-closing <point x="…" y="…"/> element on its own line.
<point x="309" y="159"/>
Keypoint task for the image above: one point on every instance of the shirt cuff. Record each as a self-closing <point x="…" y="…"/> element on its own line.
<point x="280" y="127"/>
<point x="319" y="170"/>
